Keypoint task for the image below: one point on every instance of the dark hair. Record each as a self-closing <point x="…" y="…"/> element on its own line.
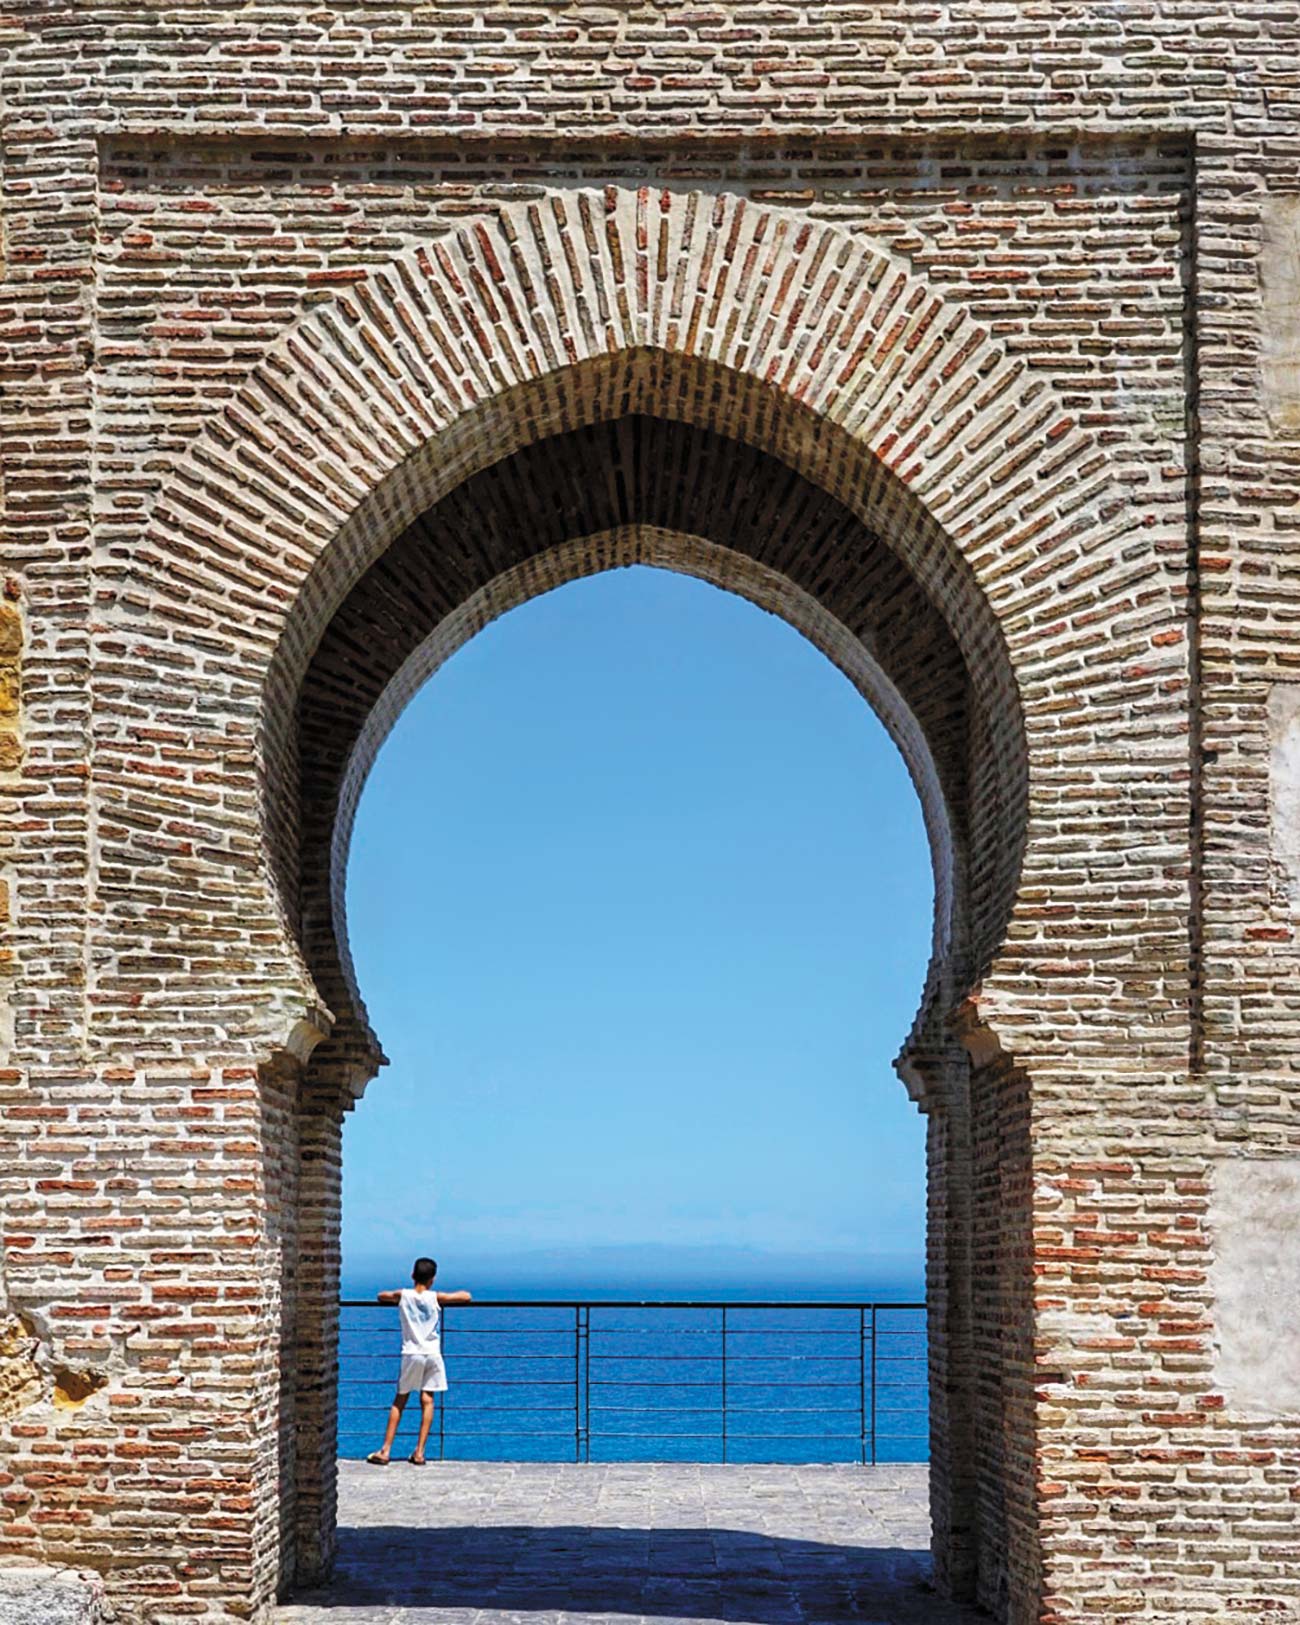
<point x="424" y="1271"/>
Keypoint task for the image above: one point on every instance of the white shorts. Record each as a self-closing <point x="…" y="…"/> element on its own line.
<point x="422" y="1374"/>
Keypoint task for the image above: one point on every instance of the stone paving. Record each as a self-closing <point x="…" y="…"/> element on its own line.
<point x="473" y="1543"/>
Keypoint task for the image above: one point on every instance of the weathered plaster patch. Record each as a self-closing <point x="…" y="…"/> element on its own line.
<point x="1255" y="1213"/>
<point x="1284" y="781"/>
<point x="1279" y="286"/>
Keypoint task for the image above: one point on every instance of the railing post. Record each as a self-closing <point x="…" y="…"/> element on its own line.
<point x="577" y="1382"/>
<point x="873" y="1385"/>
<point x="586" y="1382"/>
<point x="862" y="1381"/>
<point x="581" y="1382"/>
<point x="724" y="1382"/>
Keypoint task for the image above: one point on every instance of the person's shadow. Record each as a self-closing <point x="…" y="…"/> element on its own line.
<point x="713" y="1574"/>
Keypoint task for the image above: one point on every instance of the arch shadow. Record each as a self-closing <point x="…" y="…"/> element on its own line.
<point x="677" y="1572"/>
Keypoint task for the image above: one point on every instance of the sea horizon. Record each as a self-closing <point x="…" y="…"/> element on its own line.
<point x="564" y="1290"/>
<point x="602" y="1274"/>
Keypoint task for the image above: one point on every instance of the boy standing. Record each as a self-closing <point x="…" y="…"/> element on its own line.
<point x="422" y="1372"/>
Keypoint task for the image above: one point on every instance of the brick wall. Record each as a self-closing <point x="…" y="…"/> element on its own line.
<point x="971" y="298"/>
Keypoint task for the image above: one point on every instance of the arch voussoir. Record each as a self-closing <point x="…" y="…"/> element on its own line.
<point x="554" y="312"/>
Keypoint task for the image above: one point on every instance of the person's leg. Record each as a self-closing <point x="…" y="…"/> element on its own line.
<point x="426" y="1422"/>
<point x="390" y="1432"/>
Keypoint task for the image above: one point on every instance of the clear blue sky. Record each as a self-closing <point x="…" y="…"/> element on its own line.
<point x="640" y="904"/>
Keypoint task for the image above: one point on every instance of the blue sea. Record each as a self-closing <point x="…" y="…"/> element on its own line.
<point x="618" y="1378"/>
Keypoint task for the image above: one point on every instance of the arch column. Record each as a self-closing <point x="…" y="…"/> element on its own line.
<point x="940" y="1075"/>
<point x="327" y="1092"/>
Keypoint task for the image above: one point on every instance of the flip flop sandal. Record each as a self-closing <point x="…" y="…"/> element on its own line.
<point x="376" y="1460"/>
<point x="421" y="1462"/>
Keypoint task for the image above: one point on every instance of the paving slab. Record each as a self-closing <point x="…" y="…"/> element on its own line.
<point x="487" y="1543"/>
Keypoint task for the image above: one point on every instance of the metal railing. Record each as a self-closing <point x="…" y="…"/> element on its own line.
<point x="633" y="1380"/>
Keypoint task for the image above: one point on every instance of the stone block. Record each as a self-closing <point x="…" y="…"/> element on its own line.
<point x="1279" y="288"/>
<point x="1284" y="782"/>
<point x="49" y="1596"/>
<point x="1255" y="1218"/>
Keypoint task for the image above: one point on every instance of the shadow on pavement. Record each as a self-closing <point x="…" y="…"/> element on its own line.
<point x="707" y="1574"/>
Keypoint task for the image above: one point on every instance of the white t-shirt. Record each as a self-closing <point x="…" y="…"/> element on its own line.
<point x="420" y="1317"/>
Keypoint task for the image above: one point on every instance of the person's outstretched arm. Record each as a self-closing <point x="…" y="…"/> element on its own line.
<point x="455" y="1297"/>
<point x="388" y="1297"/>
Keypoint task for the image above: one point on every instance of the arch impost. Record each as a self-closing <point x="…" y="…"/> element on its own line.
<point x="310" y="1029"/>
<point x="344" y="1062"/>
<point x="294" y="1034"/>
<point x="996" y="1022"/>
<point x="927" y="1067"/>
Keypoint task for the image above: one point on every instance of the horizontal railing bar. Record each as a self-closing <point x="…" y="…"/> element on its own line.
<point x="675" y="1437"/>
<point x="622" y="1354"/>
<point x="462" y="1355"/>
<point x="465" y="1357"/>
<point x="487" y="1382"/>
<point x="517" y="1382"/>
<point x="677" y="1331"/>
<point x="753" y="1438"/>
<point x="790" y="1383"/>
<point x="765" y="1438"/>
<point x="639" y="1303"/>
<point x="623" y="1382"/>
<point x="695" y="1359"/>
<point x="597" y="1354"/>
<point x="751" y="1414"/>
<point x="549" y="1414"/>
<point x="506" y="1331"/>
<point x="816" y="1387"/>
<point x="469" y="1435"/>
<point x="566" y="1432"/>
<point x="602" y="1333"/>
<point x="647" y="1382"/>
<point x="777" y="1331"/>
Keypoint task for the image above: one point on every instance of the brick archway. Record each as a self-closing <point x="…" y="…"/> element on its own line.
<point x="784" y="333"/>
<point x="644" y="488"/>
<point x="804" y="353"/>
<point x="934" y="469"/>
